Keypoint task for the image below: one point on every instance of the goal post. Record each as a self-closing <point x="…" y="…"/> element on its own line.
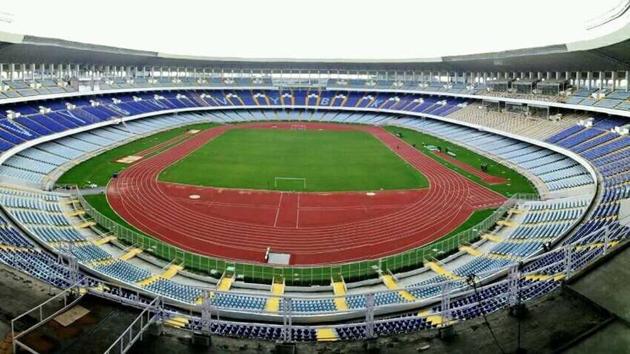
<point x="300" y="127"/>
<point x="295" y="183"/>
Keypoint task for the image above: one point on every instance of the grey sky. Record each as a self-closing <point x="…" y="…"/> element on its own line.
<point x="350" y="29"/>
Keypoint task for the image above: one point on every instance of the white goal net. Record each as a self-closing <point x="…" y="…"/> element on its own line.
<point x="298" y="127"/>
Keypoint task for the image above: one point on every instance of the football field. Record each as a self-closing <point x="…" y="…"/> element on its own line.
<point x="295" y="160"/>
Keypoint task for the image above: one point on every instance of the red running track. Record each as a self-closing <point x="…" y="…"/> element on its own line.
<point x="315" y="228"/>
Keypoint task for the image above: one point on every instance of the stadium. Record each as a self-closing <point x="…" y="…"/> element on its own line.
<point x="154" y="202"/>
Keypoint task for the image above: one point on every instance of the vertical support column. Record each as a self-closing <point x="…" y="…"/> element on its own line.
<point x="568" y="251"/>
<point x="606" y="239"/>
<point x="514" y="277"/>
<point x="369" y="315"/>
<point x="287" y="321"/>
<point x="206" y="314"/>
<point x="446" y="302"/>
<point x="577" y="82"/>
<point x="613" y="77"/>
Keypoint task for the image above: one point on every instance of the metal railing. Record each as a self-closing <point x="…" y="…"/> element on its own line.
<point x="302" y="274"/>
<point x="574" y="257"/>
<point x="43" y="313"/>
<point x="149" y="315"/>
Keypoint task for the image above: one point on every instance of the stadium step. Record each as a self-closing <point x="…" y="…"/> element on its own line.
<point x="595" y="245"/>
<point x="104" y="240"/>
<point x="437" y="268"/>
<point x="131" y="253"/>
<point x="391" y="284"/>
<point x="273" y="302"/>
<point x="85" y="224"/>
<point x="75" y="213"/>
<point x="470" y="250"/>
<point x="433" y="318"/>
<point x="59" y="244"/>
<point x="102" y="262"/>
<point x="177" y="322"/>
<point x="14" y="248"/>
<point x="502" y="256"/>
<point x="148" y="281"/>
<point x="516" y="211"/>
<point x="491" y="237"/>
<point x="545" y="277"/>
<point x="326" y="334"/>
<point x="339" y="289"/>
<point x="172" y="271"/>
<point x="506" y="223"/>
<point x="225" y="283"/>
<point x="101" y="288"/>
<point x="527" y="240"/>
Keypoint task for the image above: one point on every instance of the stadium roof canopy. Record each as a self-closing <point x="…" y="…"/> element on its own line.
<point x="607" y="52"/>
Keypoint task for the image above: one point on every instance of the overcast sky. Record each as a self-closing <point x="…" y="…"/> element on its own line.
<point x="348" y="29"/>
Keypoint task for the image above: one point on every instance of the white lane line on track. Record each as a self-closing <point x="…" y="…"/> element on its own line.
<point x="275" y="222"/>
<point x="297" y="212"/>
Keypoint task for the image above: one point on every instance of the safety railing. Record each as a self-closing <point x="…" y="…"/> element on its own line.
<point x="149" y="315"/>
<point x="322" y="274"/>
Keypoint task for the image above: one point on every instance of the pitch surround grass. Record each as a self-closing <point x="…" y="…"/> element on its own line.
<point x="295" y="160"/>
<point x="296" y="276"/>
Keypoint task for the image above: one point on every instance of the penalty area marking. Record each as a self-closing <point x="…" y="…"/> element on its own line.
<point x="289" y="179"/>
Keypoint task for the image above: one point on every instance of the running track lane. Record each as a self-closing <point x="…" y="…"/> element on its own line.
<point x="144" y="202"/>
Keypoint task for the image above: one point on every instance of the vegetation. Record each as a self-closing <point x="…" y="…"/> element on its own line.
<point x="253" y="158"/>
<point x="317" y="160"/>
<point x="475" y="218"/>
<point x="99" y="169"/>
<point x="516" y="183"/>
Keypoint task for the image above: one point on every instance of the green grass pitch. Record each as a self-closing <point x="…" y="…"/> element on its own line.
<point x="327" y="160"/>
<point x="516" y="183"/>
<point x="99" y="169"/>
